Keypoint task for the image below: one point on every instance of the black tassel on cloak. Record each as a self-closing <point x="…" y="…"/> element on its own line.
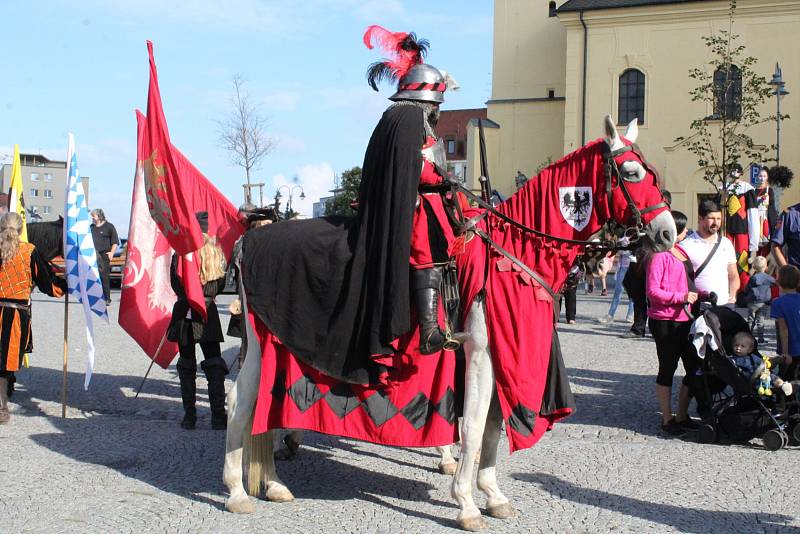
<point x="335" y="290"/>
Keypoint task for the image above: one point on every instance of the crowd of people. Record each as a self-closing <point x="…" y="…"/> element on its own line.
<point x="753" y="268"/>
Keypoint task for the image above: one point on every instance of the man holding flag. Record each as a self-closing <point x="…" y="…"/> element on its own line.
<point x="168" y="194"/>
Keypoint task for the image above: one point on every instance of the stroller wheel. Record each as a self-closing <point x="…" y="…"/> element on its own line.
<point x="773" y="439"/>
<point x="707" y="433"/>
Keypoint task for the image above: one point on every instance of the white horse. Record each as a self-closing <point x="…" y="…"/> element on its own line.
<point x="482" y="418"/>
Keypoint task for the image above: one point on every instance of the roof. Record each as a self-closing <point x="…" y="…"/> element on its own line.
<point x="589" y="5"/>
<point x="39" y="160"/>
<point x="453" y="122"/>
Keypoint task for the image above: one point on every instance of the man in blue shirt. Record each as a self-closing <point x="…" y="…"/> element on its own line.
<point x="786" y="237"/>
<point x="786" y="312"/>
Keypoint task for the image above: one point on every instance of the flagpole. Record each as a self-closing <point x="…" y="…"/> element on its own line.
<point x="64" y="379"/>
<point x="160" y="344"/>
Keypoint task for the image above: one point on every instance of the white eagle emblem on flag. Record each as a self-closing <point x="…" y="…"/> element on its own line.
<point x="576" y="205"/>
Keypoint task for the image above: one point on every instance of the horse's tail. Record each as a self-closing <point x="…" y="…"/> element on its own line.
<point x="255" y="451"/>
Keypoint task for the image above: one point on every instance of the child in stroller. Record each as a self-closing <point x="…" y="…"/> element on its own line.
<point x="727" y="399"/>
<point x="755" y="367"/>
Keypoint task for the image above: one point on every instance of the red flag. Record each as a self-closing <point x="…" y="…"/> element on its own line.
<point x="147" y="298"/>
<point x="165" y="193"/>
<point x="146" y="303"/>
<point x="224" y="223"/>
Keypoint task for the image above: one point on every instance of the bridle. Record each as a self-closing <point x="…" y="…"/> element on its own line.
<point x="611" y="170"/>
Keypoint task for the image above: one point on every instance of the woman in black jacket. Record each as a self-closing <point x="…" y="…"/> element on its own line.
<point x="187" y="328"/>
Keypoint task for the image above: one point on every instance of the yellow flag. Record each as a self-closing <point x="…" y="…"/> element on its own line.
<point x="16" y="200"/>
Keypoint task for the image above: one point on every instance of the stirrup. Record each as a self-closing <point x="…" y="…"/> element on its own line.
<point x="454" y="341"/>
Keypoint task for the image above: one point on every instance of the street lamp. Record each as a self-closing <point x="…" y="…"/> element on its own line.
<point x="780" y="91"/>
<point x="290" y="191"/>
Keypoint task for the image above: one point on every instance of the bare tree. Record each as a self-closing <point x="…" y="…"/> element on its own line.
<point x="243" y="133"/>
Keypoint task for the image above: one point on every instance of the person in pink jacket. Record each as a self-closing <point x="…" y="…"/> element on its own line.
<point x="669" y="279"/>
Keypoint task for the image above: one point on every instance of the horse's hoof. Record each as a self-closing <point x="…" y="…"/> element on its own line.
<point x="448" y="469"/>
<point x="501" y="511"/>
<point x="279" y="494"/>
<point x="473" y="524"/>
<point x="240" y="506"/>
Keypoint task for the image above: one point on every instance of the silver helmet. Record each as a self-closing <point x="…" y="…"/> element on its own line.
<point x="422" y="82"/>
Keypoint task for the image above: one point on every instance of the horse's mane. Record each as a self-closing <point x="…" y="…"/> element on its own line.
<point x="585" y="161"/>
<point x="574" y="163"/>
<point x="47" y="237"/>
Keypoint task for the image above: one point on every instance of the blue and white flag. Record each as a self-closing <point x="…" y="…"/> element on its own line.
<point x="80" y="257"/>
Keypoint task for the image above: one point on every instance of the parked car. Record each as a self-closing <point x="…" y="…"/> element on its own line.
<point x="117" y="264"/>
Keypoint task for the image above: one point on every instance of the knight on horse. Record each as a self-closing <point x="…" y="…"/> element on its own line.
<point x="420" y="91"/>
<point x="342" y="302"/>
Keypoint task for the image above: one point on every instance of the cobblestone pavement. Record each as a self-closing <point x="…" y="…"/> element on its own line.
<point x="119" y="464"/>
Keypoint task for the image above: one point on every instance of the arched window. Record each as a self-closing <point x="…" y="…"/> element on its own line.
<point x="631" y="96"/>
<point x="728" y="92"/>
<point x="552" y="9"/>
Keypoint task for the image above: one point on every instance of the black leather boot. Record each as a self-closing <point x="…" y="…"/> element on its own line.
<point x="187" y="372"/>
<point x="427" y="284"/>
<point x="215" y="370"/>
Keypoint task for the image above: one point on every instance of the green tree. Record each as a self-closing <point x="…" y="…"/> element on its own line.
<point x="730" y="85"/>
<point x="346" y="193"/>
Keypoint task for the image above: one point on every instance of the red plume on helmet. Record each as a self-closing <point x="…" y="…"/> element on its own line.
<point x="403" y="51"/>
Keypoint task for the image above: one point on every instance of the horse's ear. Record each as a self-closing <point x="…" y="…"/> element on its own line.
<point x="632" y="132"/>
<point x="611" y="136"/>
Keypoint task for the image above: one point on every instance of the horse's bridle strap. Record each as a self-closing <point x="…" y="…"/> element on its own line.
<point x="612" y="170"/>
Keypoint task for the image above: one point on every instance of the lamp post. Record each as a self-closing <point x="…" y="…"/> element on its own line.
<point x="780" y="91"/>
<point x="290" y="191"/>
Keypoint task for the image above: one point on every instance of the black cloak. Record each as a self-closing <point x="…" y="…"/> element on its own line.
<point x="335" y="290"/>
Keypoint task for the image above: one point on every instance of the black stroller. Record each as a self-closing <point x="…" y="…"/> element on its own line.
<point x="729" y="402"/>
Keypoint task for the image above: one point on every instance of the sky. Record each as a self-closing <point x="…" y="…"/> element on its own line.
<point x="82" y="67"/>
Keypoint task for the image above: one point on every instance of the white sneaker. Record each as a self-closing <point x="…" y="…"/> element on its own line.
<point x="605" y="319"/>
<point x="629" y="320"/>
